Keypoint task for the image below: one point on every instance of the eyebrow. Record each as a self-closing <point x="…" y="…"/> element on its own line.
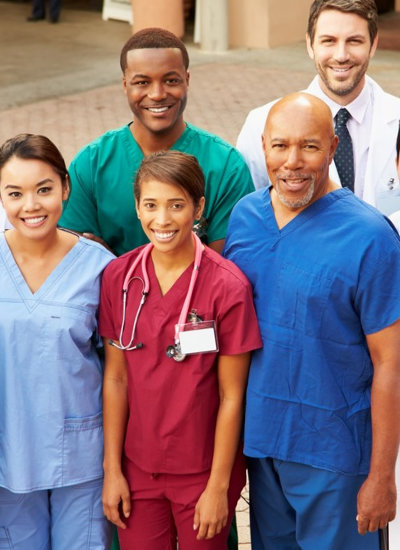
<point x="352" y="36"/>
<point x="168" y="200"/>
<point x="46" y="180"/>
<point x="169" y="73"/>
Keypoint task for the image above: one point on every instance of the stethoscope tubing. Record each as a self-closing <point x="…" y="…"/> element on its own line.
<point x="142" y="258"/>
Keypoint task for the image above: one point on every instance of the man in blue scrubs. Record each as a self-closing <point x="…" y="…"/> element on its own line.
<point x="323" y="401"/>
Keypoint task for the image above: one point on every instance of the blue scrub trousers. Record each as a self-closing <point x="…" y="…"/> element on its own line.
<point x="68" y="518"/>
<point x="297" y="507"/>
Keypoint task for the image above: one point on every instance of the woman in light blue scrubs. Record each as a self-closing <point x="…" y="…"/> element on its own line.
<point x="51" y="434"/>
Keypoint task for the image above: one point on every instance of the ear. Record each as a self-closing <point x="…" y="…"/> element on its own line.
<point x="263" y="143"/>
<point x="309" y="46"/>
<point x="66" y="188"/>
<point x="334" y="144"/>
<point x="373" y="46"/>
<point x="137" y="209"/>
<point x="124" y="83"/>
<point x="200" y="209"/>
<point x="187" y="78"/>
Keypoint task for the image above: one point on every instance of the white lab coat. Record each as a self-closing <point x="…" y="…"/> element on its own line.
<point x="382" y="186"/>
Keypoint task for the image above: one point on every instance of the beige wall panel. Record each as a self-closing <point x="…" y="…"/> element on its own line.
<point x="159" y="13"/>
<point x="267" y="23"/>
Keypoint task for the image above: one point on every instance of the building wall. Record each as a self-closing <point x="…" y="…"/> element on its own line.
<point x="267" y="23"/>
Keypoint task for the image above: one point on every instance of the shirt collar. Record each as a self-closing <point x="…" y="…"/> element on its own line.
<point x="357" y="108"/>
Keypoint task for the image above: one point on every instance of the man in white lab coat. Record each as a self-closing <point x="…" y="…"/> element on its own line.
<point x="341" y="39"/>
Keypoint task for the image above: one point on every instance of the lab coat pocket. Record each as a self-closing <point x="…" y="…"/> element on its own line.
<point x="5" y="539"/>
<point x="82" y="448"/>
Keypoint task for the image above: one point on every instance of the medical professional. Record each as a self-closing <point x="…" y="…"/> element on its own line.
<point x="51" y="440"/>
<point x="178" y="323"/>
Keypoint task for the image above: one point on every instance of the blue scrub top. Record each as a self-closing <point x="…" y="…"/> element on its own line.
<point x="50" y="373"/>
<point x="320" y="284"/>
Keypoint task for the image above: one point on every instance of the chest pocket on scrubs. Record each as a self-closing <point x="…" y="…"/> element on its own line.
<point x="300" y="299"/>
<point x="83" y="448"/>
<point x="69" y="326"/>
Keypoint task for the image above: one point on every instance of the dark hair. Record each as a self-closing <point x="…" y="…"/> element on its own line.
<point x="364" y="8"/>
<point x="172" y="167"/>
<point x="34" y="147"/>
<point x="153" y="37"/>
<point x="398" y="143"/>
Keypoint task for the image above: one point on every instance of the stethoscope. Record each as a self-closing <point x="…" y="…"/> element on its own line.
<point x="174" y="350"/>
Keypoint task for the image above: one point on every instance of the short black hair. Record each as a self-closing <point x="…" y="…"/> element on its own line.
<point x="153" y="37"/>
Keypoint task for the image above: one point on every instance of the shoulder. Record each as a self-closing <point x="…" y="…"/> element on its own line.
<point x="95" y="249"/>
<point x="366" y="224"/>
<point x="201" y="140"/>
<point x="382" y="98"/>
<point x="221" y="269"/>
<point x="107" y="141"/>
<point x="251" y="204"/>
<point x="118" y="267"/>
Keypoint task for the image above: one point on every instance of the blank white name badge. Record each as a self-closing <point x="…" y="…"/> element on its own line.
<point x="199" y="337"/>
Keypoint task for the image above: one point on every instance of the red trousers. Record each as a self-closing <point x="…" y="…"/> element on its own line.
<point x="163" y="509"/>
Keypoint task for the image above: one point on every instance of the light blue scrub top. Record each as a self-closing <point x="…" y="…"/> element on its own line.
<point x="50" y="374"/>
<point x="320" y="284"/>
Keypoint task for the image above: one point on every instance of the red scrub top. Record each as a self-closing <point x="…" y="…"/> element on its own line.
<point x="173" y="406"/>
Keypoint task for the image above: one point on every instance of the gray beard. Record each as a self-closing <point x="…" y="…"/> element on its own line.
<point x="299" y="203"/>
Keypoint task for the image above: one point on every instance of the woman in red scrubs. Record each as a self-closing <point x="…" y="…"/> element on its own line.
<point x="173" y="397"/>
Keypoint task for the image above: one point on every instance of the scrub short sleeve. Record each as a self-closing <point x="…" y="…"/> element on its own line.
<point x="80" y="211"/>
<point x="108" y="303"/>
<point x="235" y="183"/>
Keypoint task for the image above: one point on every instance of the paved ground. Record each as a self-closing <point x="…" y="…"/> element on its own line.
<point x="64" y="81"/>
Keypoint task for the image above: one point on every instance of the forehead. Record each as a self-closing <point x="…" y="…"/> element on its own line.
<point x="338" y="23"/>
<point x="26" y="172"/>
<point x="158" y="189"/>
<point x="294" y="123"/>
<point x="148" y="60"/>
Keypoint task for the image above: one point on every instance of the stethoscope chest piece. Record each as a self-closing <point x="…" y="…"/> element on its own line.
<point x="173" y="352"/>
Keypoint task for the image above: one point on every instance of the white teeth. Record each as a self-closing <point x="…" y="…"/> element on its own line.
<point x="337" y="70"/>
<point x="158" y="109"/>
<point x="162" y="236"/>
<point x="34" y="220"/>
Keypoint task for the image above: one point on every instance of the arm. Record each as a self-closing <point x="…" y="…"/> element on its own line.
<point x="377" y="497"/>
<point x="115" y="404"/>
<point x="211" y="512"/>
<point x="218" y="245"/>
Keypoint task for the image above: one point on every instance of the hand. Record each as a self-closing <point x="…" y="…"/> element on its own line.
<point x="211" y="513"/>
<point x="376" y="505"/>
<point x="116" y="498"/>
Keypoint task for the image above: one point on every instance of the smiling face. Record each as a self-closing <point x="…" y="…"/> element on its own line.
<point x="32" y="194"/>
<point x="299" y="144"/>
<point x="167" y="213"/>
<point x="341" y="50"/>
<point x="156" y="82"/>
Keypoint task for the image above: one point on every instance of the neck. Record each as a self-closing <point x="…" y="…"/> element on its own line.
<point x="151" y="142"/>
<point x="343" y="100"/>
<point x="174" y="261"/>
<point x="33" y="248"/>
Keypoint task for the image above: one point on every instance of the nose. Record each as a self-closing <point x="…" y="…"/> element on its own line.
<point x="157" y="91"/>
<point x="163" y="217"/>
<point x="293" y="159"/>
<point x="341" y="53"/>
<point x="30" y="202"/>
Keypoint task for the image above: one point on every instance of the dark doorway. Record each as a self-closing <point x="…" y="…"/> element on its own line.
<point x="384" y="5"/>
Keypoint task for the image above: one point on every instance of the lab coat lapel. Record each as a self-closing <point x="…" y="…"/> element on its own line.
<point x="385" y="123"/>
